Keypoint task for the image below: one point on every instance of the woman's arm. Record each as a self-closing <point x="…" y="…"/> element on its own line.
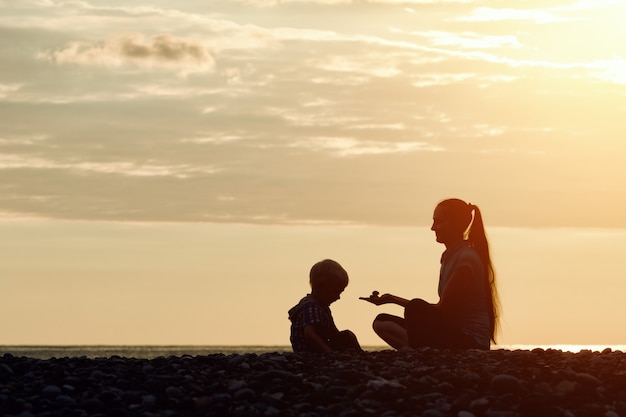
<point x="385" y="299"/>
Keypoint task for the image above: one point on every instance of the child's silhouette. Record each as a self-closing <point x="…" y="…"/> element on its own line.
<point x="312" y="326"/>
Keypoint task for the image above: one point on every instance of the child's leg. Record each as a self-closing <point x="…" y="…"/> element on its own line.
<point x="345" y="340"/>
<point x="392" y="330"/>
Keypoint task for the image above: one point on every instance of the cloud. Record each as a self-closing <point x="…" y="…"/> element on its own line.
<point x="24" y="140"/>
<point x="13" y="216"/>
<point x="468" y="40"/>
<point x="130" y="169"/>
<point x="610" y="70"/>
<point x="268" y="3"/>
<point x="301" y="119"/>
<point x="439" y="79"/>
<point x="586" y="5"/>
<point x="360" y="65"/>
<point x="375" y="126"/>
<point x="489" y="14"/>
<point x="184" y="55"/>
<point x="346" y="146"/>
<point x="6" y="89"/>
<point x="214" y="138"/>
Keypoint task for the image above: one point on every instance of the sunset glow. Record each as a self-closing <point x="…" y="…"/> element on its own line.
<point x="165" y="166"/>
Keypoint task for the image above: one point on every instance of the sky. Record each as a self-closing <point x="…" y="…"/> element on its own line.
<point x="170" y="172"/>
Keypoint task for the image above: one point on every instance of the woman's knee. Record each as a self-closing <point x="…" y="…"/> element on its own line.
<point x="391" y="329"/>
<point x="384" y="317"/>
<point x="381" y="318"/>
<point x="416" y="308"/>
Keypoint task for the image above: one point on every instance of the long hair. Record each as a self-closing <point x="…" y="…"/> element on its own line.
<point x="474" y="232"/>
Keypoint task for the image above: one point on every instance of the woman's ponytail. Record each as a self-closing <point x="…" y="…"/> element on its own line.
<point x="477" y="239"/>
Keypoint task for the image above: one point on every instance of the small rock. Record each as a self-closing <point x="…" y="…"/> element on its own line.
<point x="566" y="387"/>
<point x="244" y="394"/>
<point x="544" y="388"/>
<point x="479" y="404"/>
<point x="445" y="387"/>
<point x="309" y="414"/>
<point x="587" y="379"/>
<point x="65" y="400"/>
<point x="174" y="392"/>
<point x="506" y="384"/>
<point x="432" y="412"/>
<point x="501" y="413"/>
<point x="68" y="388"/>
<point x="236" y="385"/>
<point x="5" y="370"/>
<point x="148" y="400"/>
<point x="383" y="383"/>
<point x="271" y="412"/>
<point x="51" y="391"/>
<point x="91" y="405"/>
<point x="221" y="398"/>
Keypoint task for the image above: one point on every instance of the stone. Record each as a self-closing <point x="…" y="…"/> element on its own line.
<point x="5" y="370"/>
<point x="51" y="391"/>
<point x="587" y="379"/>
<point x="506" y="384"/>
<point x="174" y="392"/>
<point x="425" y="381"/>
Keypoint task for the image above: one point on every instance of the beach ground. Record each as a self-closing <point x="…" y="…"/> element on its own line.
<point x="422" y="382"/>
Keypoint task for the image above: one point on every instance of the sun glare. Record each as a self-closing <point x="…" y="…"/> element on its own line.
<point x="611" y="70"/>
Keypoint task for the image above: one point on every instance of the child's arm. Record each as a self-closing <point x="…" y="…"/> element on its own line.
<point x="314" y="340"/>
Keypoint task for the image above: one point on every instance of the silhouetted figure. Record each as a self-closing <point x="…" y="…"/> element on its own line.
<point x="466" y="315"/>
<point x="312" y="326"/>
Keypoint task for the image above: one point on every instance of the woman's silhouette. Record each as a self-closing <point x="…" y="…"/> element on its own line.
<point x="466" y="315"/>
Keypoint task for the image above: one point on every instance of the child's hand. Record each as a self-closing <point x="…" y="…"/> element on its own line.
<point x="375" y="298"/>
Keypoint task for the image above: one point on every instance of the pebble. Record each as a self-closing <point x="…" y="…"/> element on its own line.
<point x="51" y="391"/>
<point x="506" y="384"/>
<point x="422" y="382"/>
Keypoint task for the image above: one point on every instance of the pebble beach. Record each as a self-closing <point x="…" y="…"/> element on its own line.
<point x="423" y="382"/>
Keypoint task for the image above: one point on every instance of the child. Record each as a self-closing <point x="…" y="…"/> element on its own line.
<point x="312" y="325"/>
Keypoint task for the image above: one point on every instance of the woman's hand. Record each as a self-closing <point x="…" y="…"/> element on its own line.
<point x="378" y="299"/>
<point x="384" y="299"/>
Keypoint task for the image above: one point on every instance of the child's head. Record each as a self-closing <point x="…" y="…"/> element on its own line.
<point x="328" y="279"/>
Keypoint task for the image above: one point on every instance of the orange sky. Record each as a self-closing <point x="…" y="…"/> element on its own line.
<point x="213" y="284"/>
<point x="165" y="166"/>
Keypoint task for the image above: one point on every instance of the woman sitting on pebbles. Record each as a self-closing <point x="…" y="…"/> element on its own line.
<point x="466" y="316"/>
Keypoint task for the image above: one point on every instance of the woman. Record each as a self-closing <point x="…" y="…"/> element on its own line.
<point x="466" y="316"/>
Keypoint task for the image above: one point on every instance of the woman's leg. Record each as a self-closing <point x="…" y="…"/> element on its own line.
<point x="426" y="326"/>
<point x="392" y="330"/>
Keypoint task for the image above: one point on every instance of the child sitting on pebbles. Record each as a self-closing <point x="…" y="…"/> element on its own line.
<point x="312" y="325"/>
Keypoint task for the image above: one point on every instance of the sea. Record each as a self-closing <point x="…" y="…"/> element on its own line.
<point x="155" y="351"/>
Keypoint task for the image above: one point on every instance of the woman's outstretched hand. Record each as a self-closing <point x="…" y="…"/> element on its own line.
<point x="378" y="299"/>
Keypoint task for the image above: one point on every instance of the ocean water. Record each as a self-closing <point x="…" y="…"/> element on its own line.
<point x="146" y="352"/>
<point x="151" y="351"/>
